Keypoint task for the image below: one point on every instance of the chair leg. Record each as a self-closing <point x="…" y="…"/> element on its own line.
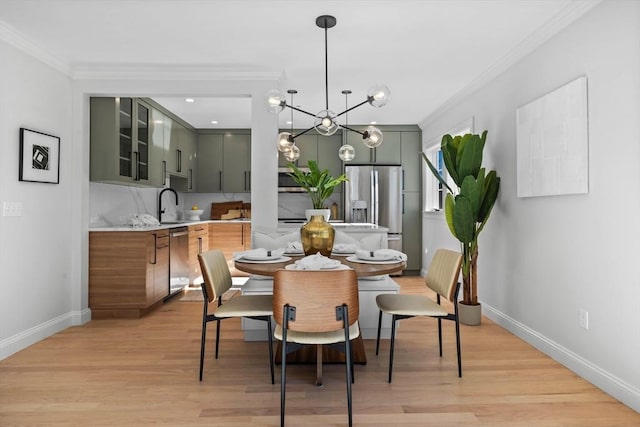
<point x="217" y="336"/>
<point x="458" y="347"/>
<point x="202" y="342"/>
<point x="440" y="335"/>
<point x="349" y="368"/>
<point x="379" y="326"/>
<point x="393" y="342"/>
<point x="283" y="365"/>
<point x="270" y="342"/>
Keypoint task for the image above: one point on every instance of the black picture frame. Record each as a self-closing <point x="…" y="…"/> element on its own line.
<point x="39" y="157"/>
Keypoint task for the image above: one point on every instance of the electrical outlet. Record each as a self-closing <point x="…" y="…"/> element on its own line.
<point x="584" y="318"/>
<point x="11" y="208"/>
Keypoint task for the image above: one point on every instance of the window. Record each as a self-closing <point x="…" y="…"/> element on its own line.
<point x="435" y="192"/>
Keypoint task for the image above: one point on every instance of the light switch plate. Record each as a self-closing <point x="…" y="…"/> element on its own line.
<point x="11" y="208"/>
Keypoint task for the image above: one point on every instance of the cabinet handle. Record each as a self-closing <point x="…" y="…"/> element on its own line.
<point x="245" y="180"/>
<point x="403" y="204"/>
<point x="164" y="171"/>
<point x="155" y="249"/>
<point x="402" y="179"/>
<point x="220" y="180"/>
<point x="136" y="155"/>
<point x="199" y="245"/>
<point x="190" y="179"/>
<point x="178" y="161"/>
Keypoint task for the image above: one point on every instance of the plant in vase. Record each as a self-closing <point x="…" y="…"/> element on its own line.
<point x="467" y="208"/>
<point x="317" y="235"/>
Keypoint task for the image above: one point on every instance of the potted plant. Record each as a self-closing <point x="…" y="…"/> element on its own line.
<point x="319" y="184"/>
<point x="467" y="207"/>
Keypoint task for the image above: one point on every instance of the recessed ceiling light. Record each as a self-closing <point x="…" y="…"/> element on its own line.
<point x="158" y="122"/>
<point x="289" y="122"/>
<point x="214" y="122"/>
<point x="189" y="100"/>
<point x="373" y="123"/>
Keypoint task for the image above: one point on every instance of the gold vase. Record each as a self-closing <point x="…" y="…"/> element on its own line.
<point x="317" y="236"/>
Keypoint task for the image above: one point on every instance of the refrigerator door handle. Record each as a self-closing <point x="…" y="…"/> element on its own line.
<point x="375" y="197"/>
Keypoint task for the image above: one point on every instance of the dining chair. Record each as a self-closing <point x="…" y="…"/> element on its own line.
<point x="442" y="278"/>
<point x="316" y="307"/>
<point x="217" y="281"/>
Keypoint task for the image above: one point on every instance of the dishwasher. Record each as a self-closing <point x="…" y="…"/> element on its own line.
<point x="178" y="260"/>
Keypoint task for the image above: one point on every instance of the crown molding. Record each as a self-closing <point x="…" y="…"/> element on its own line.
<point x="170" y="72"/>
<point x="570" y="13"/>
<point x="16" y="39"/>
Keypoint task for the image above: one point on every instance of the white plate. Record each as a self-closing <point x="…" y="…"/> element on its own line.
<point x="342" y="253"/>
<point x="371" y="261"/>
<point x="337" y="267"/>
<point x="265" y="260"/>
<point x="294" y="253"/>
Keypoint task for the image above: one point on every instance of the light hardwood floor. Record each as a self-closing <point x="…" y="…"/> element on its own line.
<point x="145" y="372"/>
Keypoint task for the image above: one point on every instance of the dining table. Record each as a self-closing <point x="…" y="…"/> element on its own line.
<point x="324" y="354"/>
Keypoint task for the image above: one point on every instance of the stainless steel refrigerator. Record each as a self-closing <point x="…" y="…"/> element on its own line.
<point x="373" y="194"/>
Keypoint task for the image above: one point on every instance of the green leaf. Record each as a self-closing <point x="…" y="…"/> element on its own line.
<point x="463" y="221"/>
<point x="470" y="155"/>
<point x="448" y="213"/>
<point x="435" y="173"/>
<point x="449" y="147"/>
<point x="473" y="191"/>
<point x="491" y="190"/>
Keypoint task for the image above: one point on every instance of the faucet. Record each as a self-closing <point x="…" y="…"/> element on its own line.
<point x="160" y="210"/>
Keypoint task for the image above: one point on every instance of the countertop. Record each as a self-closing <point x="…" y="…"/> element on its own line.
<point x="166" y="225"/>
<point x="282" y="226"/>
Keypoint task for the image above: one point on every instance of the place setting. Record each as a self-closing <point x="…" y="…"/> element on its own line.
<point x="378" y="256"/>
<point x="316" y="262"/>
<point x="261" y="256"/>
<point x="294" y="249"/>
<point x="344" y="249"/>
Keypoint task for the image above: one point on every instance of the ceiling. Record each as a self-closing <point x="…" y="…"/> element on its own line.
<point x="425" y="51"/>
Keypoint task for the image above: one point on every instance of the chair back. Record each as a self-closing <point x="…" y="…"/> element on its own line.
<point x="442" y="275"/>
<point x="315" y="295"/>
<point x="215" y="272"/>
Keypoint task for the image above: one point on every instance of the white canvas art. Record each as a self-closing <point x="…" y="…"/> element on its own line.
<point x="552" y="143"/>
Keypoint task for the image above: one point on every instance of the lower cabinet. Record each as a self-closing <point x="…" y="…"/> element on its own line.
<point x="128" y="272"/>
<point x="230" y="237"/>
<point x="198" y="243"/>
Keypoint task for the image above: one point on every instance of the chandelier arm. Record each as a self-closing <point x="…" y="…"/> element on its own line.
<point x="353" y="108"/>
<point x="302" y="133"/>
<point x="299" y="110"/>
<point x="352" y="130"/>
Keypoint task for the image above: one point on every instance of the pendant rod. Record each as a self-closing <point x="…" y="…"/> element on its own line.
<point x="326" y="70"/>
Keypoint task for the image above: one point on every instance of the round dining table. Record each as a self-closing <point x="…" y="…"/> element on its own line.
<point x="323" y="353"/>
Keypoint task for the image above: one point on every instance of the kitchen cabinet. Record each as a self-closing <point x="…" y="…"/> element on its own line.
<point x="412" y="230"/>
<point x="198" y="243"/>
<point x="224" y="162"/>
<point x="128" y="272"/>
<point x="322" y="149"/>
<point x="120" y="141"/>
<point x="159" y="148"/>
<point x="411" y="160"/>
<point x="388" y="152"/>
<point x="230" y="237"/>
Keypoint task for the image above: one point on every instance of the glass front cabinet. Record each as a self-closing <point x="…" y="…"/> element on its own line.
<point x="120" y="141"/>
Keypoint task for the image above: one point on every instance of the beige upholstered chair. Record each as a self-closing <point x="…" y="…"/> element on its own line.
<point x="442" y="278"/>
<point x="217" y="280"/>
<point x="315" y="307"/>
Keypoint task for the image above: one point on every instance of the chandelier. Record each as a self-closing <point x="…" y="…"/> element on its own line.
<point x="326" y="121"/>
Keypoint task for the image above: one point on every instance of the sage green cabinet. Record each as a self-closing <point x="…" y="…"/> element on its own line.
<point x="412" y="229"/>
<point x="120" y="141"/>
<point x="159" y="148"/>
<point x="224" y="162"/>
<point x="388" y="152"/>
<point x="411" y="160"/>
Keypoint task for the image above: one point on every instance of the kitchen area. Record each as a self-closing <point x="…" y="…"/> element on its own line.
<point x="162" y="202"/>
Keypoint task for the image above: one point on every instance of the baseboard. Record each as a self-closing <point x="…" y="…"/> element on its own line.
<point x="44" y="330"/>
<point x="610" y="384"/>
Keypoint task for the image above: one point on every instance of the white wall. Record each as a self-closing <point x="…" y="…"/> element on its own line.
<point x="543" y="259"/>
<point x="36" y="266"/>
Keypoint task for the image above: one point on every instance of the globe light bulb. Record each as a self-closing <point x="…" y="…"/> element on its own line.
<point x="275" y="100"/>
<point x="372" y="137"/>
<point x="346" y="153"/>
<point x="378" y="95"/>
<point x="285" y="141"/>
<point x="292" y="154"/>
<point x="325" y="123"/>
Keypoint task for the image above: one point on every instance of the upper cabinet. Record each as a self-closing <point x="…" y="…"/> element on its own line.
<point x="387" y="152"/>
<point x="224" y="162"/>
<point x="135" y="143"/>
<point x="120" y="141"/>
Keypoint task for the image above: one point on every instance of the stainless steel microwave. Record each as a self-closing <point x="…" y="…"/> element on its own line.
<point x="286" y="184"/>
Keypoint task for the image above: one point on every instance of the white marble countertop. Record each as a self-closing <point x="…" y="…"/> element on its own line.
<point x="165" y="225"/>
<point x="351" y="227"/>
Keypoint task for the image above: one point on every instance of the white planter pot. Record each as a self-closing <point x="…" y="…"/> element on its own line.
<point x="312" y="212"/>
<point x="470" y="315"/>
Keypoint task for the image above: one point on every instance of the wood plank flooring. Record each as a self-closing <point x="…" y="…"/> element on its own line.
<point x="145" y="372"/>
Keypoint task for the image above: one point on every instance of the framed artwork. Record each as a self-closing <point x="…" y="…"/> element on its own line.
<point x="552" y="143"/>
<point x="39" y="157"/>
